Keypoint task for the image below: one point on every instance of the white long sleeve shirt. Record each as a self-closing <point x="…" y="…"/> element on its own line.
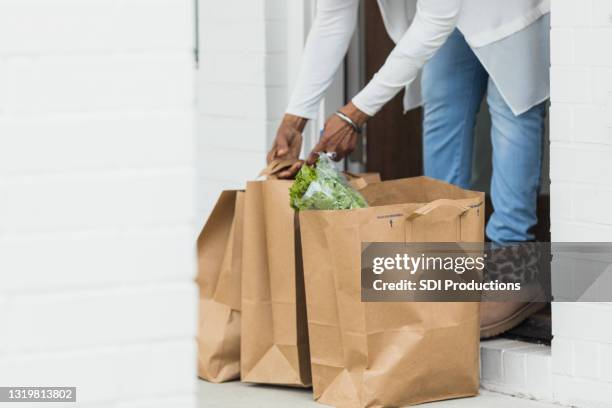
<point x="419" y="28"/>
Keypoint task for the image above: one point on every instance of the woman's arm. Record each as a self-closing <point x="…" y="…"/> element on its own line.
<point x="325" y="49"/>
<point x="434" y="21"/>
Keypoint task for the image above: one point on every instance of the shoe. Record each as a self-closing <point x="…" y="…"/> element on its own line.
<point x="517" y="264"/>
<point x="499" y="317"/>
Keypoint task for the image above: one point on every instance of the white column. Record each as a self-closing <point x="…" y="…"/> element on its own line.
<point x="581" y="190"/>
<point x="97" y="199"/>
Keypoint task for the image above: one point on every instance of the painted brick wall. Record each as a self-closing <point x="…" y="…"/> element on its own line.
<point x="97" y="183"/>
<point x="581" y="191"/>
<point x="242" y="91"/>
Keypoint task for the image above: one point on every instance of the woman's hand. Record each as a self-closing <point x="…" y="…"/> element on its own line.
<point x="288" y="143"/>
<point x="338" y="136"/>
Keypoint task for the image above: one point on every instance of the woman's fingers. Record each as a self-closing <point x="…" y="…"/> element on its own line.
<point x="271" y="154"/>
<point x="345" y="143"/>
<point x="338" y="138"/>
<point x="319" y="148"/>
<point x="291" y="171"/>
<point x="343" y="149"/>
<point x="288" y="140"/>
<point x="281" y="147"/>
<point x="338" y="145"/>
<point x="314" y="154"/>
<point x="349" y="143"/>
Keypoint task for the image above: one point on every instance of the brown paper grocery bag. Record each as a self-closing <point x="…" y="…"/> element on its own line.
<point x="360" y="180"/>
<point x="274" y="342"/>
<point x="219" y="279"/>
<point x="388" y="354"/>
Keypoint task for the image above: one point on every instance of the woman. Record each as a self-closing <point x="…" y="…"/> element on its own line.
<point x="464" y="50"/>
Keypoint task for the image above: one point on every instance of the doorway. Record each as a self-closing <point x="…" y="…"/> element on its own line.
<point x="394" y="149"/>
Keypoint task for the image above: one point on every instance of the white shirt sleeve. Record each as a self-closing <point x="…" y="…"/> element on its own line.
<point x="434" y="21"/>
<point x="324" y="51"/>
<point x="329" y="39"/>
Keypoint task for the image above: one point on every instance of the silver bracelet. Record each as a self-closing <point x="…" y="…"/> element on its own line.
<point x="349" y="121"/>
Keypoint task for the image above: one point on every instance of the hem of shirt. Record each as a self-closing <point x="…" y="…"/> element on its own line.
<point x="361" y="107"/>
<point x="408" y="108"/>
<point x="509" y="28"/>
<point x="301" y="114"/>
<point x="515" y="111"/>
<point x="520" y="112"/>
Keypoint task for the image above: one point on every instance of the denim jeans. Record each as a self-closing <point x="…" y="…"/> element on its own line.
<point x="454" y="84"/>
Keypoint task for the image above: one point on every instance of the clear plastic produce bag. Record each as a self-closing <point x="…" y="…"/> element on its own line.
<point x="323" y="188"/>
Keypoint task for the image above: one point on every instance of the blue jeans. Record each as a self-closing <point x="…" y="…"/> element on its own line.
<point x="454" y="84"/>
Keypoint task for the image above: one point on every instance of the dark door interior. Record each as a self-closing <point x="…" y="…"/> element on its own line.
<point x="394" y="146"/>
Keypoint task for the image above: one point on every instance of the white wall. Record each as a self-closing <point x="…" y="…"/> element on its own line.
<point x="581" y="190"/>
<point x="249" y="58"/>
<point x="96" y="199"/>
<point x="242" y="91"/>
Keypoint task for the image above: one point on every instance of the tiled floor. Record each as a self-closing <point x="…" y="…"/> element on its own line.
<point x="238" y="395"/>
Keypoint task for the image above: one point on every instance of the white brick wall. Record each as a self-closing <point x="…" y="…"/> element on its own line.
<point x="516" y="368"/>
<point x="581" y="192"/>
<point x="249" y="58"/>
<point x="97" y="203"/>
<point x="242" y="91"/>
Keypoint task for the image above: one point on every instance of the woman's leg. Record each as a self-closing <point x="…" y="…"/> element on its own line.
<point x="454" y="83"/>
<point x="517" y="160"/>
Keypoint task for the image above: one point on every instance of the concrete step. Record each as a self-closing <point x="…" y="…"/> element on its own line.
<point x="516" y="368"/>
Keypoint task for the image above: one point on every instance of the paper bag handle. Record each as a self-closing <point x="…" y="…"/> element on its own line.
<point x="276" y="166"/>
<point x="351" y="176"/>
<point x="427" y="208"/>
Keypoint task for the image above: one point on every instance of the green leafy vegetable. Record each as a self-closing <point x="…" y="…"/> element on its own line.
<point x="323" y="188"/>
<point x="305" y="176"/>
